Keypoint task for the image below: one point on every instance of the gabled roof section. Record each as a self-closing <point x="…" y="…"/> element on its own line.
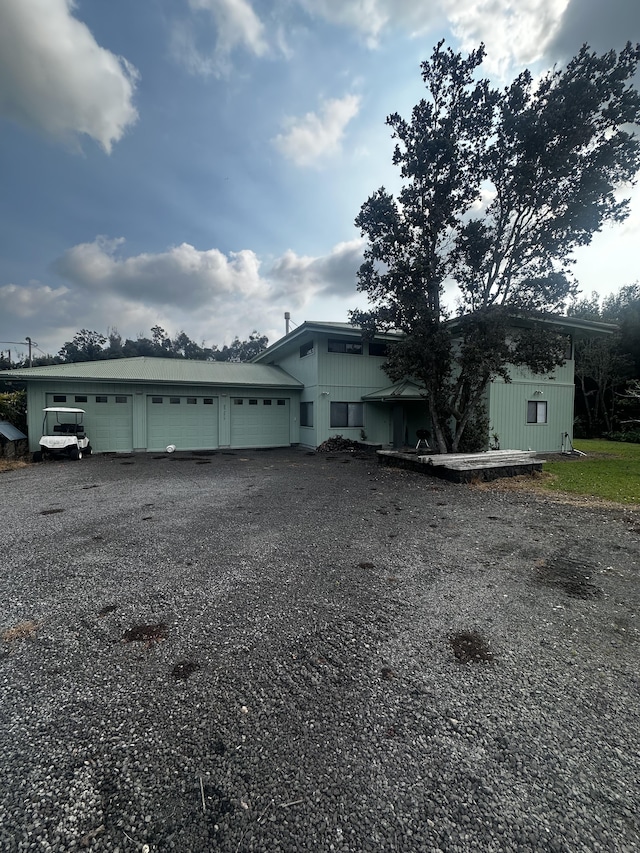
<point x="307" y="329"/>
<point x="10" y="432"/>
<point x="403" y="390"/>
<point x="174" y="371"/>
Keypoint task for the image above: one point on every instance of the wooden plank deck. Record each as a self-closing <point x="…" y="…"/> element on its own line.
<point x="465" y="467"/>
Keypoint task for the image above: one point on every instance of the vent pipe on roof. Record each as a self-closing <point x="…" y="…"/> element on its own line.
<point x="287" y="320"/>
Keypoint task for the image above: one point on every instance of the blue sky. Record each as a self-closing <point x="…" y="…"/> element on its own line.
<point x="198" y="164"/>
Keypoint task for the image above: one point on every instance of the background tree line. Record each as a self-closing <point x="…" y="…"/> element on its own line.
<point x="607" y="370"/>
<point x="89" y="345"/>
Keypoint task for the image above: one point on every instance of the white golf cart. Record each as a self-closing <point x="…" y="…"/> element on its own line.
<point x="62" y="434"/>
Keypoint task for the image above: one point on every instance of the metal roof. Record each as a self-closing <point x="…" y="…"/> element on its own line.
<point x="10" y="432"/>
<point x="403" y="390"/>
<point x="306" y="328"/>
<point x="172" y="371"/>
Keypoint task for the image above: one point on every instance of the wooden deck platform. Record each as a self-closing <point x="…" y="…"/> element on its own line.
<point x="465" y="467"/>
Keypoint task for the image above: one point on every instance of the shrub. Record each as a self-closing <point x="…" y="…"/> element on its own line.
<point x="13" y="408"/>
<point x="632" y="436"/>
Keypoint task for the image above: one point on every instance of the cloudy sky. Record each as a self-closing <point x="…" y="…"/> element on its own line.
<point x="199" y="163"/>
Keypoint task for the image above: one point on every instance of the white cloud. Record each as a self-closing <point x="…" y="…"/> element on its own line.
<point x="236" y="26"/>
<point x="34" y="300"/>
<point x="56" y="79"/>
<point x="212" y="296"/>
<point x="515" y="33"/>
<point x="300" y="277"/>
<point x="182" y="276"/>
<point x="371" y="17"/>
<point x="310" y="139"/>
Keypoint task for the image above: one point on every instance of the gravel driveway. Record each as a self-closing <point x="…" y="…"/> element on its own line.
<point x="283" y="651"/>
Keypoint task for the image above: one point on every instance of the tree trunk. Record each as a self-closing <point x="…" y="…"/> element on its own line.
<point x="438" y="430"/>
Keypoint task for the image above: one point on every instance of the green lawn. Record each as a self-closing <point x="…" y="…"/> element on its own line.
<point x="611" y="470"/>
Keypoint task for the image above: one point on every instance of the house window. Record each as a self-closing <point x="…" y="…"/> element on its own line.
<point x="306" y="349"/>
<point x="156" y="399"/>
<point x="281" y="402"/>
<point x="347" y="414"/>
<point x="80" y="398"/>
<point x="253" y="402"/>
<point x="60" y="398"/>
<point x="350" y="347"/>
<point x="266" y="402"/>
<point x="174" y="400"/>
<point x="102" y="399"/>
<point x="208" y="401"/>
<point x="121" y="399"/>
<point x="306" y="414"/>
<point x="191" y="401"/>
<point x="378" y="348"/>
<point x="237" y="401"/>
<point x="537" y="412"/>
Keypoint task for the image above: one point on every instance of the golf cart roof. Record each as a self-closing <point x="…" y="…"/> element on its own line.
<point x="64" y="410"/>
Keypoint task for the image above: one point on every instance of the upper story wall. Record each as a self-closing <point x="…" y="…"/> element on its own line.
<point x="319" y="358"/>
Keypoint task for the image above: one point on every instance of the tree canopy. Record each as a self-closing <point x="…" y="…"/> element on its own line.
<point x="87" y="345"/>
<point x="498" y="188"/>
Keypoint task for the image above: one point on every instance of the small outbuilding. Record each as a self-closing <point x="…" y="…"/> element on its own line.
<point x="13" y="442"/>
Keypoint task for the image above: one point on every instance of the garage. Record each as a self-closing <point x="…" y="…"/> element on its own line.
<point x="108" y="419"/>
<point x="190" y="423"/>
<point x="260" y="421"/>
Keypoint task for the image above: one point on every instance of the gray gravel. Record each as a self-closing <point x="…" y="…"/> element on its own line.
<point x="306" y="695"/>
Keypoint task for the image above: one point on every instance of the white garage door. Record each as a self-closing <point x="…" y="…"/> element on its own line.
<point x="108" y="420"/>
<point x="191" y="423"/>
<point x="259" y="422"/>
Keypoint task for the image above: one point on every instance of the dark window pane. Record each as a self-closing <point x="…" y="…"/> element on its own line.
<point x="306" y="414"/>
<point x="378" y="348"/>
<point x="338" y="345"/>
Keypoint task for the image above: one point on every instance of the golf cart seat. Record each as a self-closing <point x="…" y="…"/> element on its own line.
<point x="69" y="429"/>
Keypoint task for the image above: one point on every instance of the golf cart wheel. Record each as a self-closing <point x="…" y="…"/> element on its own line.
<point x="88" y="450"/>
<point x="37" y="456"/>
<point x="74" y="454"/>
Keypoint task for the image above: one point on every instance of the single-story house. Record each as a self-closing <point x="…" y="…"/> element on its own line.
<point x="318" y="381"/>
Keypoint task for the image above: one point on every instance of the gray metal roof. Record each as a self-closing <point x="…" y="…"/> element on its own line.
<point x="10" y="432"/>
<point x="173" y="371"/>
<point x="306" y="328"/>
<point x="403" y="390"/>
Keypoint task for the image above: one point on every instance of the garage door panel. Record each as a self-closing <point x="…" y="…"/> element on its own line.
<point x="108" y="418"/>
<point x="259" y="422"/>
<point x="191" y="423"/>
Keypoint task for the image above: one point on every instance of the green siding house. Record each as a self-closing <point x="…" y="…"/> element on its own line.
<point x="321" y="380"/>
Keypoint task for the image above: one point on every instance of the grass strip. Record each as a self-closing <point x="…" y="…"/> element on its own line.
<point x="611" y="471"/>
